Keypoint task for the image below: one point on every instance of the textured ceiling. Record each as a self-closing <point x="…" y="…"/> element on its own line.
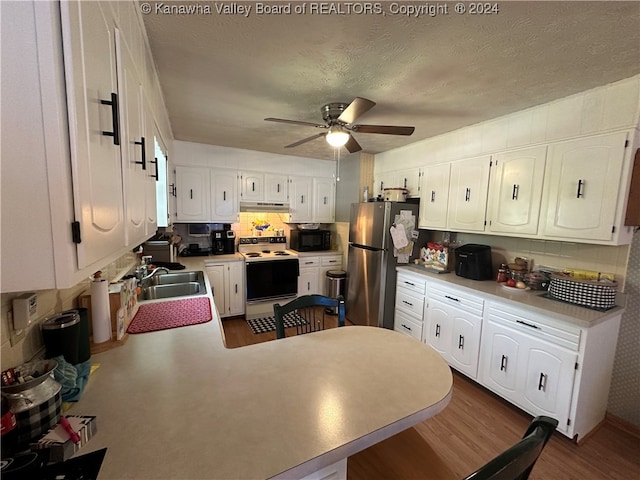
<point x="221" y="75"/>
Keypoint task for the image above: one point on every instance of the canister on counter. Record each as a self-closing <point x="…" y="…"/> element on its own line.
<point x="503" y="273"/>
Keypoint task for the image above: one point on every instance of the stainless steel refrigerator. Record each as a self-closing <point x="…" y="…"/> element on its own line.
<point x="371" y="265"/>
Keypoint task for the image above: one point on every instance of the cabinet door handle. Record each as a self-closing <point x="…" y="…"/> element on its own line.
<point x="381" y="186"/>
<point x="580" y="193"/>
<point x="236" y="288"/>
<point x="451" y="298"/>
<point x="542" y="383"/>
<point x="503" y="363"/>
<point x="191" y="193"/>
<point x="143" y="162"/>
<point x="467" y="195"/>
<point x="115" y="118"/>
<point x="224" y="195"/>
<point x="278" y="188"/>
<point x="301" y="198"/>
<point x="325" y="200"/>
<point x="407" y="303"/>
<point x="253" y="186"/>
<point x="156" y="175"/>
<point x="516" y="190"/>
<point x="333" y="261"/>
<point x="460" y="342"/>
<point x="408" y="328"/>
<point x="405" y="183"/>
<point x="172" y="190"/>
<point x="308" y="263"/>
<point x="409" y="283"/>
<point x="309" y="286"/>
<point x="530" y="325"/>
<point x="437" y="330"/>
<point x="433" y="196"/>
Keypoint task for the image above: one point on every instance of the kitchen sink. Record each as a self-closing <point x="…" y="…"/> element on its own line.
<point x="170" y="285"/>
<point x="180" y="277"/>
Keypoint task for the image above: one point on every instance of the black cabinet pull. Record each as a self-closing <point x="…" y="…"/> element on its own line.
<point x="530" y="325"/>
<point x="467" y="195"/>
<point x="224" y="195"/>
<point x="409" y="283"/>
<point x="191" y="193"/>
<point x="408" y="328"/>
<point x="253" y="186"/>
<point x="115" y="118"/>
<point x="278" y="188"/>
<point x="451" y="298"/>
<point x="301" y="198"/>
<point x="437" y="330"/>
<point x="236" y="288"/>
<point x="407" y="303"/>
<point x="503" y="363"/>
<point x="172" y="190"/>
<point x="143" y="162"/>
<point x="433" y="196"/>
<point x="516" y="190"/>
<point x="381" y="185"/>
<point x="156" y="175"/>
<point x="542" y="383"/>
<point x="580" y="193"/>
<point x="405" y="183"/>
<point x="460" y="342"/>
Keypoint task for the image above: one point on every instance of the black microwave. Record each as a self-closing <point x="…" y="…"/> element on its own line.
<point x="310" y="240"/>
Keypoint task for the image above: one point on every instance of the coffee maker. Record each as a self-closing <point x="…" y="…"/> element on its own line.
<point x="223" y="240"/>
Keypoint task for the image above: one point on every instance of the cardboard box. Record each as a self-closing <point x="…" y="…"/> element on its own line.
<point x="57" y="440"/>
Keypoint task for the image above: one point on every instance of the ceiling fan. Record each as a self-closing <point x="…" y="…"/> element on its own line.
<point x="339" y="121"/>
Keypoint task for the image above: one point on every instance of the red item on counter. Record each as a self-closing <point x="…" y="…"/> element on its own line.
<point x="73" y="435"/>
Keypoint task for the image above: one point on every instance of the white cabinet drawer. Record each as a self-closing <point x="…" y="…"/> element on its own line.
<point x="457" y="299"/>
<point x="330" y="260"/>
<point x="412" y="282"/>
<point x="566" y="336"/>
<point x="406" y="300"/>
<point x="309" y="262"/>
<point x="408" y="325"/>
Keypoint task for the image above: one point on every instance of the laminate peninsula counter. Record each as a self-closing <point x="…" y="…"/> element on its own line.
<point x="177" y="404"/>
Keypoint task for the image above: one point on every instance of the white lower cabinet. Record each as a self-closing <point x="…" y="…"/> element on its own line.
<point x="453" y="327"/>
<point x="227" y="284"/>
<point x="308" y="280"/>
<point x="409" y="312"/>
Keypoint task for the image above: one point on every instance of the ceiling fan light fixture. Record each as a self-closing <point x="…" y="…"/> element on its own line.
<point x="337" y="136"/>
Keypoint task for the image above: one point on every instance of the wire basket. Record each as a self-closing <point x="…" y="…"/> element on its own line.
<point x="587" y="293"/>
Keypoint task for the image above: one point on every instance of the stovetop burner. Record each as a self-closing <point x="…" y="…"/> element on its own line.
<point x="252" y="254"/>
<point x="281" y="253"/>
<point x="265" y="248"/>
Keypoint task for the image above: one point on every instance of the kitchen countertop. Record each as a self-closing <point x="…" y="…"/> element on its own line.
<point x="319" y="253"/>
<point x="490" y="289"/>
<point x="178" y="404"/>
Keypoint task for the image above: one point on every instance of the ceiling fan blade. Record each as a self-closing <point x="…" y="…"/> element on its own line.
<point x="356" y="108"/>
<point x="296" y="122"/>
<point x="305" y="140"/>
<point x="352" y="145"/>
<point x="384" y="129"/>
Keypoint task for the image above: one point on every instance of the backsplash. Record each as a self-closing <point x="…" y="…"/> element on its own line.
<point x="599" y="258"/>
<point x="50" y="302"/>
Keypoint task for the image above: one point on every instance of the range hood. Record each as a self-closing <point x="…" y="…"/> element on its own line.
<point x="264" y="207"/>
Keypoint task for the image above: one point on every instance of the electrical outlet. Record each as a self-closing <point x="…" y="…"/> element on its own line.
<point x="14" y="335"/>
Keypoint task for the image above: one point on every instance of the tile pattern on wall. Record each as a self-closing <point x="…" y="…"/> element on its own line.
<point x="624" y="394"/>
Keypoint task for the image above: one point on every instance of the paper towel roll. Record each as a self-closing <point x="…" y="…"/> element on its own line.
<point x="100" y="314"/>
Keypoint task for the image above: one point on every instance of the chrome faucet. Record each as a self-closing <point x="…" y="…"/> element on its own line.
<point x="145" y="276"/>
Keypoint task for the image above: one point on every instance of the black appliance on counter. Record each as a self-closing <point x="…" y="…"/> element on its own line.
<point x="473" y="261"/>
<point x="310" y="240"/>
<point x="223" y="241"/>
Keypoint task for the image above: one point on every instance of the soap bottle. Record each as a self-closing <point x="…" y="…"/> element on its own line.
<point x="365" y="194"/>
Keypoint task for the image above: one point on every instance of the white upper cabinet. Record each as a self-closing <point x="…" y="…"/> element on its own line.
<point x="516" y="191"/>
<point x="94" y="128"/>
<point x="275" y="187"/>
<point x="382" y="181"/>
<point x="193" y="194"/>
<point x="252" y="186"/>
<point x="581" y="187"/>
<point x="132" y="145"/>
<point x="410" y="180"/>
<point x="469" y="184"/>
<point x="300" y="199"/>
<point x="434" y="198"/>
<point x="224" y="195"/>
<point x="324" y="200"/>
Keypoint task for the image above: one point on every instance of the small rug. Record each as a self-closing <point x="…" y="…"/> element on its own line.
<point x="268" y="324"/>
<point x="171" y="314"/>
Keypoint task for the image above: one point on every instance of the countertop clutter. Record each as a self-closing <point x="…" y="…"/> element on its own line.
<point x="533" y="299"/>
<point x="178" y="404"/>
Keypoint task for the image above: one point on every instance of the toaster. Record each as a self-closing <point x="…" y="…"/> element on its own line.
<point x="474" y="261"/>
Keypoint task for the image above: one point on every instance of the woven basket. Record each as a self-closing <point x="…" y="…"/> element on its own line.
<point x="587" y="293"/>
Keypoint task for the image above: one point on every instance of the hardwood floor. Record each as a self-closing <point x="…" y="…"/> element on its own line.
<point x="475" y="427"/>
